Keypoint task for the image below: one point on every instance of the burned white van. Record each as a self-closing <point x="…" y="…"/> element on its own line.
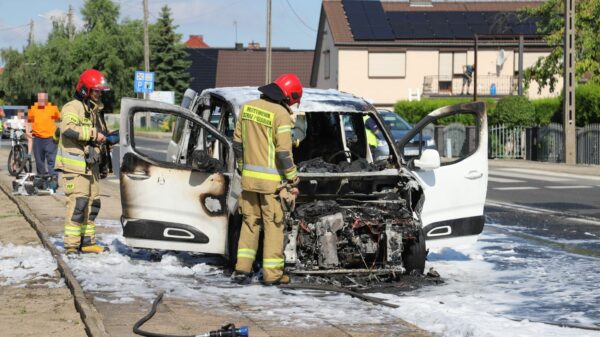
<point x="357" y="212"/>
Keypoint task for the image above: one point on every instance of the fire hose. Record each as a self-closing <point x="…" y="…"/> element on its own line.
<point x="228" y="330"/>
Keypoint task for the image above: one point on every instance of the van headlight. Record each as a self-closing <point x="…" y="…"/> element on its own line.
<point x="430" y="142"/>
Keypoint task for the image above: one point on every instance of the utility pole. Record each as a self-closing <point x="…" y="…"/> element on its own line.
<point x="520" y="85"/>
<point x="569" y="84"/>
<point x="70" y="24"/>
<point x="475" y="66"/>
<point x="146" y="42"/>
<point x="268" y="49"/>
<point x="30" y="37"/>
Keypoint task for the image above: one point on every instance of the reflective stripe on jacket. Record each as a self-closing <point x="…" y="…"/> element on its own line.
<point x="76" y="130"/>
<point x="263" y="146"/>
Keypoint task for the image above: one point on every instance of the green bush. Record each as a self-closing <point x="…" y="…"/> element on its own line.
<point x="414" y="111"/>
<point x="587" y="104"/>
<point x="513" y="111"/>
<point x="546" y="109"/>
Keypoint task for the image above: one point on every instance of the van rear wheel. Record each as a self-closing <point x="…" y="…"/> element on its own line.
<point x="415" y="254"/>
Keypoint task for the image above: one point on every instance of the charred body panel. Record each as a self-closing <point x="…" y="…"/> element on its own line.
<point x="174" y="195"/>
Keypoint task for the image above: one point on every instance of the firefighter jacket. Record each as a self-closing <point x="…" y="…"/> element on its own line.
<point x="263" y="146"/>
<point x="77" y="137"/>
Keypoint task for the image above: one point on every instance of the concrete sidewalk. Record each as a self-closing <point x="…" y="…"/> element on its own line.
<point x="589" y="170"/>
<point x="37" y="304"/>
<point x="178" y="316"/>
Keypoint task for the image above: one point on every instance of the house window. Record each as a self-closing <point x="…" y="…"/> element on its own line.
<point x="387" y="64"/>
<point x="327" y="64"/>
<point x="460" y="60"/>
<point x="445" y="73"/>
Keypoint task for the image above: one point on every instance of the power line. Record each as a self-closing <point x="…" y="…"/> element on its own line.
<point x="299" y="18"/>
<point x="15" y="27"/>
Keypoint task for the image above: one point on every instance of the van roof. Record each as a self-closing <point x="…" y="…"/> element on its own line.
<point x="313" y="100"/>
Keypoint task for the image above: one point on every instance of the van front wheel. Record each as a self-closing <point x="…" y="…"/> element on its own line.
<point x="415" y="254"/>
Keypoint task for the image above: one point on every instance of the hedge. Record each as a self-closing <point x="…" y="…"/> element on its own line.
<point x="414" y="111"/>
<point x="514" y="110"/>
<point x="545" y="110"/>
<point x="587" y="104"/>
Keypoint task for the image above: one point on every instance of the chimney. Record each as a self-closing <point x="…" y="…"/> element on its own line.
<point x="239" y="46"/>
<point x="196" y="41"/>
<point x="253" y="45"/>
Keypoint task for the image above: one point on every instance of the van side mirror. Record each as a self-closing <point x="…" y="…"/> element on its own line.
<point x="429" y="160"/>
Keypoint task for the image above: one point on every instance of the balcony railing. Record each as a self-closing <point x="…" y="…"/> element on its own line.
<point x="440" y="85"/>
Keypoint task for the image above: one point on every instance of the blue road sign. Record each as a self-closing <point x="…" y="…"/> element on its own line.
<point x="143" y="82"/>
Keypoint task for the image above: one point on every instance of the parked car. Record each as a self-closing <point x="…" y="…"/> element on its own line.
<point x="355" y="213"/>
<point x="399" y="127"/>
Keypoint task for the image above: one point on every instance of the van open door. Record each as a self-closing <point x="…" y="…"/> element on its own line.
<point x="453" y="173"/>
<point x="172" y="203"/>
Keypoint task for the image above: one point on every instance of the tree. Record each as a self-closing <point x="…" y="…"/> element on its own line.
<point x="550" y="23"/>
<point x="100" y="13"/>
<point x="168" y="57"/>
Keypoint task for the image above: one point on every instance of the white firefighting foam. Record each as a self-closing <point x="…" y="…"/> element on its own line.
<point x="24" y="265"/>
<point x="499" y="287"/>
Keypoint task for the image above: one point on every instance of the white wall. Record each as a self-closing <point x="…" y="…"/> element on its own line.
<point x="332" y="81"/>
<point x="354" y="76"/>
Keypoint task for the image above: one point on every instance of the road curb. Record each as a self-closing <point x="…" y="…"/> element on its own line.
<point x="91" y="318"/>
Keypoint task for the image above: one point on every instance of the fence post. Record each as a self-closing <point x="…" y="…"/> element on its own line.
<point x="531" y="141"/>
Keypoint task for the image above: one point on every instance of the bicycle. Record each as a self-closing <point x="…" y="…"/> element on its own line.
<point x="18" y="160"/>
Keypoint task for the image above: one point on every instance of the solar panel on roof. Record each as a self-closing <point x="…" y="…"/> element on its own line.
<point x="459" y="25"/>
<point x="378" y="21"/>
<point x="462" y="31"/>
<point x="368" y="20"/>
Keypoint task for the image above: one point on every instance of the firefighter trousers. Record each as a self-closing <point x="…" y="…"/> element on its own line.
<point x="83" y="205"/>
<point x="260" y="208"/>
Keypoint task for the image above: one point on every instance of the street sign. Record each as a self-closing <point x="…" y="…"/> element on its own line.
<point x="143" y="82"/>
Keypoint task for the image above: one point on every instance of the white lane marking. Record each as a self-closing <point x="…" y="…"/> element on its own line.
<point x="554" y="174"/>
<point x="504" y="180"/>
<point x="536" y="210"/>
<point x="516" y="188"/>
<point x="527" y="176"/>
<point x="568" y="187"/>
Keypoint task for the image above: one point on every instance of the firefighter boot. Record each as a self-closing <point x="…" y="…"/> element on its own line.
<point x="284" y="279"/>
<point x="94" y="249"/>
<point x="71" y="251"/>
<point x="241" y="277"/>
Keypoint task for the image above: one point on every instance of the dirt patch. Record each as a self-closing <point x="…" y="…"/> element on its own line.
<point x="29" y="308"/>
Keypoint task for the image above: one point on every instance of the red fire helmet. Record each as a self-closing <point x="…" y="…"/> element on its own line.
<point x="291" y="87"/>
<point x="91" y="79"/>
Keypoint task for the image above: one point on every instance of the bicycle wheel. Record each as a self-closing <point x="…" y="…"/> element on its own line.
<point x="16" y="161"/>
<point x="26" y="162"/>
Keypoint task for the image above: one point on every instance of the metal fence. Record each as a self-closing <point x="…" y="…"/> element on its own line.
<point x="543" y="143"/>
<point x="507" y="142"/>
<point x="588" y="144"/>
<point x="487" y="85"/>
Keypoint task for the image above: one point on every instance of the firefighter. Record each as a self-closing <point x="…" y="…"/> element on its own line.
<point x="78" y="158"/>
<point x="263" y="147"/>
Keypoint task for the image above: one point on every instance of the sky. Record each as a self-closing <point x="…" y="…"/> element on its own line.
<point x="294" y="22"/>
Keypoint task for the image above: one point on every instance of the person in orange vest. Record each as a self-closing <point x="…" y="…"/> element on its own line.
<point x="263" y="148"/>
<point x="43" y="117"/>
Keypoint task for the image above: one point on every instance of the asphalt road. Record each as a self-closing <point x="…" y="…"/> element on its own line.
<point x="569" y="194"/>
